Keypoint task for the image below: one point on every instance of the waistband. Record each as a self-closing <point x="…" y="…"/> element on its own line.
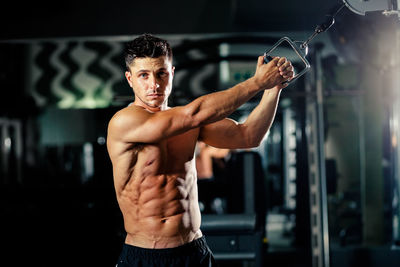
<point x="195" y="245"/>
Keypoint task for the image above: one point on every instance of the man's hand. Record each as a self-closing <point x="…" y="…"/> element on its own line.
<point x="277" y="71"/>
<point x="285" y="70"/>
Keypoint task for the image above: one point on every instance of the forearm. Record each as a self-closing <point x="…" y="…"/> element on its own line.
<point x="261" y="118"/>
<point x="219" y="105"/>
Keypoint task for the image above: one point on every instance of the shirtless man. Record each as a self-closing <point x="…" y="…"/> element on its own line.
<point x="152" y="147"/>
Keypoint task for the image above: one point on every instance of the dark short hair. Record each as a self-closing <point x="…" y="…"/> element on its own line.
<point x="146" y="45"/>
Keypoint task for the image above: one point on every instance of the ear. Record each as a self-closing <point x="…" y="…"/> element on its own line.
<point x="173" y="71"/>
<point x="128" y="76"/>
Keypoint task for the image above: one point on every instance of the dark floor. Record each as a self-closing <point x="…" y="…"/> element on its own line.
<point x="59" y="226"/>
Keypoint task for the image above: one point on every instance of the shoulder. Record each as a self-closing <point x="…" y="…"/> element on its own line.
<point x="128" y="116"/>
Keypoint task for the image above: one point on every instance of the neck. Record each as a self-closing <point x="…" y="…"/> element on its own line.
<point x="164" y="106"/>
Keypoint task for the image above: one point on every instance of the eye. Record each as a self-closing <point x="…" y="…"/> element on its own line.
<point x="143" y="75"/>
<point x="162" y="74"/>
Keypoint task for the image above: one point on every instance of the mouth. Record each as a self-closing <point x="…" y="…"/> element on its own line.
<point x="154" y="95"/>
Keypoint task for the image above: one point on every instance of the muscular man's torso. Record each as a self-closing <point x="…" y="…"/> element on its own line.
<point x="156" y="187"/>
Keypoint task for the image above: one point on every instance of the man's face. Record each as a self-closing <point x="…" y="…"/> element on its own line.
<point x="151" y="80"/>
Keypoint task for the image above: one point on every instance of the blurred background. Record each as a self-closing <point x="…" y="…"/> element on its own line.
<point x="321" y="190"/>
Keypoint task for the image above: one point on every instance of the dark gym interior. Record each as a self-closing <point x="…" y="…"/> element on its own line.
<point x="321" y="190"/>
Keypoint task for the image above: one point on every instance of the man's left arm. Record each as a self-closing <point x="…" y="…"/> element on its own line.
<point x="228" y="133"/>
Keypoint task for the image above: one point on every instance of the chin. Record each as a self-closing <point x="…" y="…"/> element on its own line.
<point x="154" y="105"/>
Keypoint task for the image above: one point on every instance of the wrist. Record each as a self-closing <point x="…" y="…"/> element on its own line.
<point x="256" y="84"/>
<point x="273" y="92"/>
<point x="276" y="89"/>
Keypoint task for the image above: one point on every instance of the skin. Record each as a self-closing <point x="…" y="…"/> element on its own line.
<point x="204" y="159"/>
<point x="151" y="146"/>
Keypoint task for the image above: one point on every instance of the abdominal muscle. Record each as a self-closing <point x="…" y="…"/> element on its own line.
<point x="161" y="211"/>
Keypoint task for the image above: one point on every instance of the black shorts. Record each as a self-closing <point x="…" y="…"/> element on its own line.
<point x="193" y="254"/>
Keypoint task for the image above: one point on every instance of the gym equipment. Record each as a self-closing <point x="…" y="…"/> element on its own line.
<point x="389" y="7"/>
<point x="300" y="48"/>
<point x="240" y="235"/>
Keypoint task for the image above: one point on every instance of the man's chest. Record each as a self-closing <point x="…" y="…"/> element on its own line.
<point x="181" y="147"/>
<point x="169" y="155"/>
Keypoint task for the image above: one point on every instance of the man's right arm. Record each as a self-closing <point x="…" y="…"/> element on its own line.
<point x="134" y="124"/>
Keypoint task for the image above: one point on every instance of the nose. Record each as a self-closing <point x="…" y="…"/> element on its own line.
<point x="154" y="84"/>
